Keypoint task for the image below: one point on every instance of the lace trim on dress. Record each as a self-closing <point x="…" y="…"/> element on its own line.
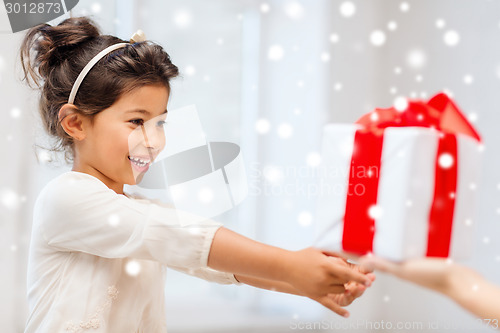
<point x="93" y="321"/>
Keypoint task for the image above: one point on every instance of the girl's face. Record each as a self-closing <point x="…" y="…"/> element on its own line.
<point x="124" y="139"/>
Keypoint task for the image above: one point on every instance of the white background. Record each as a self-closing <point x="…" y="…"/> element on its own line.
<point x="229" y="54"/>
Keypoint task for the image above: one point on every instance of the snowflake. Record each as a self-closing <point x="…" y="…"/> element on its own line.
<point x="96" y="8"/>
<point x="468" y="79"/>
<point x="9" y="199"/>
<point x="275" y="52"/>
<point x="313" y="159"/>
<point x="446" y="161"/>
<point x="264" y="8"/>
<point x="377" y="38"/>
<point x="347" y="9"/>
<point x="472" y="116"/>
<point x="206" y="195"/>
<point x="15" y="113"/>
<point x="273" y="174"/>
<point x="416" y="59"/>
<point x="325" y="56"/>
<point x="451" y="38"/>
<point x="404" y="7"/>
<point x="294" y="10"/>
<point x="392" y="25"/>
<point x="285" y="130"/>
<point x="262" y="126"/>
<point x="440" y="23"/>
<point x="375" y="212"/>
<point x="400" y="103"/>
<point x="182" y="18"/>
<point x="304" y="218"/>
<point x="334" y="38"/>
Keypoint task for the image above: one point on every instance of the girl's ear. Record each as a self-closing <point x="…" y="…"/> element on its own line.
<point x="72" y="121"/>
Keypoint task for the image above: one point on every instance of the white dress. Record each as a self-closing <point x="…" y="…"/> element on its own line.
<point x="97" y="260"/>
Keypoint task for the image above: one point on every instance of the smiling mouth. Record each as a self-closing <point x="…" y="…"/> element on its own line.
<point x="140" y="162"/>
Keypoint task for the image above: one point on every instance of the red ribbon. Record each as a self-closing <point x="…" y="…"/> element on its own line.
<point x="440" y="113"/>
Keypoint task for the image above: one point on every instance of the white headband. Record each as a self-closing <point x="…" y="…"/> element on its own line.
<point x="136" y="38"/>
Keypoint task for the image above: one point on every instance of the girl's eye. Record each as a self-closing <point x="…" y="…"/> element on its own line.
<point x="137" y="122"/>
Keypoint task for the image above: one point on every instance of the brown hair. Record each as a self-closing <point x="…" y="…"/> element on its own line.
<point x="57" y="54"/>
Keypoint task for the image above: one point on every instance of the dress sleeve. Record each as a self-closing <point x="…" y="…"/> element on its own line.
<point x="84" y="215"/>
<point x="209" y="274"/>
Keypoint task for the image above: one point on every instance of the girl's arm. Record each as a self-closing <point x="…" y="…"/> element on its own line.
<point x="353" y="290"/>
<point x="462" y="284"/>
<point x="310" y="272"/>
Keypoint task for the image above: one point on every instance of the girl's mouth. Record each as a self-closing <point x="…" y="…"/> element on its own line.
<point x="141" y="164"/>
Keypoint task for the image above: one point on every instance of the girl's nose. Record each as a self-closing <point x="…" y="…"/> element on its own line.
<point x="154" y="137"/>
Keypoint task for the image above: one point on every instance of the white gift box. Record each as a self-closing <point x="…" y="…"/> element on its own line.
<point x="405" y="191"/>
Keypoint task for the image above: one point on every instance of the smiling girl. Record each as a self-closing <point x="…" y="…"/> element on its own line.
<point x="105" y="100"/>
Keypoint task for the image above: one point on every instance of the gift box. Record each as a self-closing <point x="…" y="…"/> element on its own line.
<point x="400" y="183"/>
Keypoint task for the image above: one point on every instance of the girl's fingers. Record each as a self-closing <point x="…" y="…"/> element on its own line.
<point x="332" y="305"/>
<point x="345" y="273"/>
<point x="336" y="289"/>
<point x="356" y="289"/>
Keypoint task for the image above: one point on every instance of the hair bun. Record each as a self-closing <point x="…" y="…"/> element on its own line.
<point x="51" y="45"/>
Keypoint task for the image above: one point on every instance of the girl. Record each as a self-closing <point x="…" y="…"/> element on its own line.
<point x="105" y="100"/>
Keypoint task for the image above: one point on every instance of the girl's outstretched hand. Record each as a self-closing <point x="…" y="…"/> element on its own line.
<point x="328" y="279"/>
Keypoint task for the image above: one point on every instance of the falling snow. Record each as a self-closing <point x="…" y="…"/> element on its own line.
<point x="313" y="159"/>
<point x="325" y="56"/>
<point x="304" y="218"/>
<point x="404" y="7"/>
<point x="114" y="220"/>
<point x="294" y="10"/>
<point x="206" y="195"/>
<point x="133" y="268"/>
<point x="273" y="174"/>
<point x="96" y="8"/>
<point x="183" y="18"/>
<point x="334" y="38"/>
<point x="190" y="70"/>
<point x="416" y="59"/>
<point x="392" y="25"/>
<point x="468" y="79"/>
<point x="285" y="131"/>
<point x="275" y="53"/>
<point x="15" y="113"/>
<point x="400" y="103"/>
<point x="375" y="212"/>
<point x="9" y="199"/>
<point x="347" y="9"/>
<point x="451" y="38"/>
<point x="446" y="161"/>
<point x="440" y="23"/>
<point x="262" y="126"/>
<point x="264" y="8"/>
<point x="377" y="38"/>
